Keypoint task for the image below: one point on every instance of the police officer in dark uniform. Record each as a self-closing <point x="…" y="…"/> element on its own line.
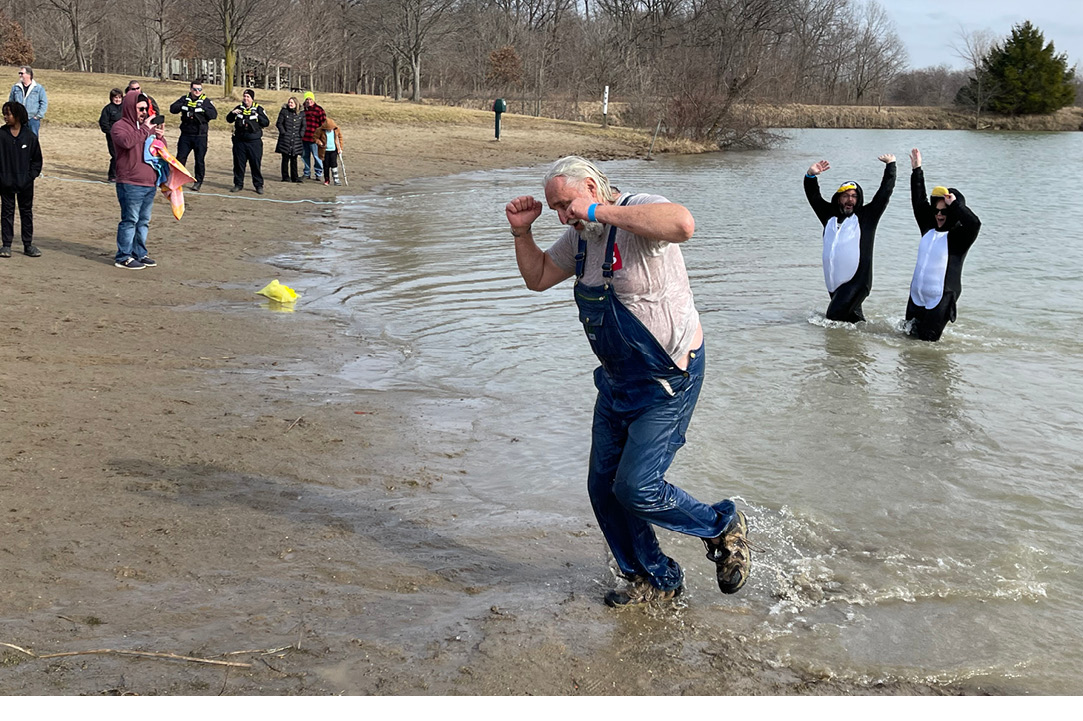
<point x="196" y="111"/>
<point x="249" y="119"/>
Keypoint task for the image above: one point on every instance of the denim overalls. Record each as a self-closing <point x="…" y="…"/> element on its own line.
<point x="640" y="417"/>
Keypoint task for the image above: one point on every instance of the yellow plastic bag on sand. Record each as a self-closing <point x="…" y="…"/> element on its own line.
<point x="278" y="292"/>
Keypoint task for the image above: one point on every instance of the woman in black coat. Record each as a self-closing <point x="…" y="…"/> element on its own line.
<point x="20" y="163"/>
<point x="291" y="128"/>
<point x="111" y="114"/>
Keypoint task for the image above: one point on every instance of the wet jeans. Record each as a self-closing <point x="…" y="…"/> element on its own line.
<point x="638" y="428"/>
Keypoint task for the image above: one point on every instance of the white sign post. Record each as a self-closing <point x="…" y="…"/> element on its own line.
<point x="605" y="107"/>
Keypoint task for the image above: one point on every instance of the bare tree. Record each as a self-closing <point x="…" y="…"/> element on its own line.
<point x="408" y="27"/>
<point x="973" y="47"/>
<point x="161" y="18"/>
<point x="878" y="54"/>
<point x="80" y="16"/>
<point x="238" y="24"/>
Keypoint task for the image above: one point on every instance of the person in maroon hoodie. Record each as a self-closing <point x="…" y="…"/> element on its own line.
<point x="137" y="181"/>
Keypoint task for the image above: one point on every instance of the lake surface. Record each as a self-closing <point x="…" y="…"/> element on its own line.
<point x="918" y="504"/>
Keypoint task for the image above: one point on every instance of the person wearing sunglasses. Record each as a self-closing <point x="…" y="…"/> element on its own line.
<point x="137" y="181"/>
<point x="948" y="229"/>
<point x="32" y="96"/>
<point x="849" y="232"/>
<point x="196" y="111"/>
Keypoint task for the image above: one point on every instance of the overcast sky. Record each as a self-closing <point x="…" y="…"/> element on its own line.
<point x="929" y="28"/>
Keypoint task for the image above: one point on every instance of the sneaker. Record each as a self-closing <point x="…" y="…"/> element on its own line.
<point x="640" y="592"/>
<point x="197" y="185"/>
<point x="32" y="251"/>
<point x="327" y="182"/>
<point x="259" y="191"/>
<point x="129" y="264"/>
<point x="148" y="261"/>
<point x="5" y="252"/>
<point x="235" y="189"/>
<point x="337" y="183"/>
<point x="731" y="554"/>
<point x="299" y="180"/>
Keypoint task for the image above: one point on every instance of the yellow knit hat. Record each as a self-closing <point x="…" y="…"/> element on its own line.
<point x="939" y="192"/>
<point x="847" y="186"/>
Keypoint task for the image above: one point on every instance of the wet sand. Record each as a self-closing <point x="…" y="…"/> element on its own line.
<point x="182" y="475"/>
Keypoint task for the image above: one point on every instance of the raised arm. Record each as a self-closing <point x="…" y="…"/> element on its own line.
<point x="538" y="269"/>
<point x="821" y="207"/>
<point x="887" y="185"/>
<point x="919" y="200"/>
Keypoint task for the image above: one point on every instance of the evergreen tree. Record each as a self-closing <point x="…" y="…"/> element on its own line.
<point x="1028" y="76"/>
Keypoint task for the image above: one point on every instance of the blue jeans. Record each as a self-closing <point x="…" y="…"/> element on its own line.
<point x="638" y="427"/>
<point x="312" y="158"/>
<point x="136" y="203"/>
<point x="35" y="125"/>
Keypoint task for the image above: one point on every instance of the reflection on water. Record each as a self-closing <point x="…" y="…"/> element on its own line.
<point x="915" y="500"/>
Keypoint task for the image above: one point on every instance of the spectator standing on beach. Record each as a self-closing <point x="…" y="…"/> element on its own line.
<point x="636" y="306"/>
<point x="248" y="119"/>
<point x="329" y="141"/>
<point x="134" y="86"/>
<point x="110" y="115"/>
<point x="32" y="96"/>
<point x="20" y="163"/>
<point x="196" y="111"/>
<point x="137" y="181"/>
<point x="291" y="131"/>
<point x="314" y="117"/>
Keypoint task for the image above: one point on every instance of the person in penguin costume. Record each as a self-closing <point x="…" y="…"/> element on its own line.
<point x="948" y="229"/>
<point x="849" y="231"/>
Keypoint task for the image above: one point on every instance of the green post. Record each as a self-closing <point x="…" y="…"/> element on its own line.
<point x="499" y="106"/>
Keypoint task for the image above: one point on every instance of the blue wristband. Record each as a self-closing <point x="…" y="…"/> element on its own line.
<point x="590" y="213"/>
<point x="809" y="176"/>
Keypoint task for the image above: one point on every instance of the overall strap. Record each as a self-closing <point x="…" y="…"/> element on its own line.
<point x="607" y="266"/>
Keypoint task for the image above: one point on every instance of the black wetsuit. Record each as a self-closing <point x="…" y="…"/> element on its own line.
<point x="941" y="251"/>
<point x="850" y="292"/>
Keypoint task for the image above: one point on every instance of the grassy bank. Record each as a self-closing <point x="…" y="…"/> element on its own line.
<point x="904" y="118"/>
<point x="76" y="100"/>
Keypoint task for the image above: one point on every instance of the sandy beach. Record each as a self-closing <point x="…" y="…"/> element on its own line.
<point x="181" y="480"/>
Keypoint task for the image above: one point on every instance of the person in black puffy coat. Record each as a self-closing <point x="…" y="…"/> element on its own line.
<point x="290" y="145"/>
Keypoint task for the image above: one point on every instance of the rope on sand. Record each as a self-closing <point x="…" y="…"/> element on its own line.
<point x="212" y="195"/>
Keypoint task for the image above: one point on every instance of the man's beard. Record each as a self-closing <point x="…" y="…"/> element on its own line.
<point x="592" y="231"/>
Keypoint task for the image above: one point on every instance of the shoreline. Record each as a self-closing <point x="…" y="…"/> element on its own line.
<point x="200" y="483"/>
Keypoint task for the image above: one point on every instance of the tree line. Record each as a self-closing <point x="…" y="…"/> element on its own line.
<point x="689" y="63"/>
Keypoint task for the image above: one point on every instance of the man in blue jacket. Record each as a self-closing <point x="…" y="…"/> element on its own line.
<point x="31" y="95"/>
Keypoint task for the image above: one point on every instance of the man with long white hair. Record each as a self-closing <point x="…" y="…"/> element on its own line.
<point x="636" y="307"/>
